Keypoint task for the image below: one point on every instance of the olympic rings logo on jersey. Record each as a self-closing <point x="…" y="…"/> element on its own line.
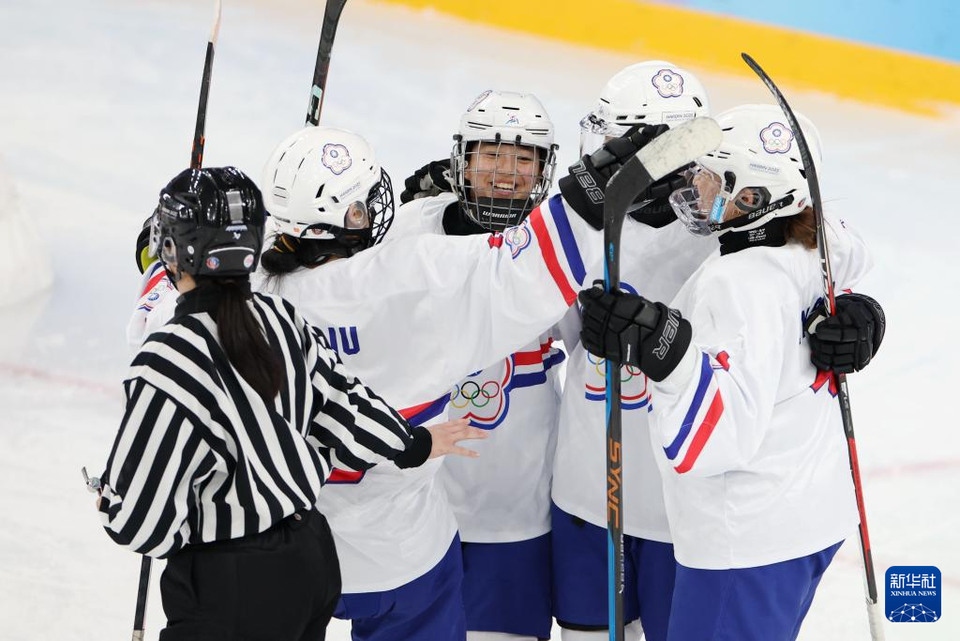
<point x="484" y="396"/>
<point x="633" y="383"/>
<point x="517" y="238"/>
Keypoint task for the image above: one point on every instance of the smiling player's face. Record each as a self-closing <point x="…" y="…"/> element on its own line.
<point x="502" y="170"/>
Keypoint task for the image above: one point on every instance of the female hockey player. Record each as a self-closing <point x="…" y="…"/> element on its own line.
<point x="237" y="410"/>
<point x="648" y="93"/>
<point x="747" y="433"/>
<point x="502" y="168"/>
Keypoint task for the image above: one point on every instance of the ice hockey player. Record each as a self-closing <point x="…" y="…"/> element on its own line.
<point x="392" y="311"/>
<point x="747" y="433"/>
<point x="649" y="94"/>
<point x="502" y="164"/>
<point x="236" y="411"/>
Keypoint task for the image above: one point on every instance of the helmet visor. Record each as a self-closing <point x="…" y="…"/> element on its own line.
<point x="701" y="203"/>
<point x="596" y="131"/>
<point x="707" y="204"/>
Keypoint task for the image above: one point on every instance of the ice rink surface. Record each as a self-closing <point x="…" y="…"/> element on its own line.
<point x="97" y="113"/>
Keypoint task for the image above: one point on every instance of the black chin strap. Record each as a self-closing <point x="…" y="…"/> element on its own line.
<point x="457" y="223"/>
<point x="773" y="234"/>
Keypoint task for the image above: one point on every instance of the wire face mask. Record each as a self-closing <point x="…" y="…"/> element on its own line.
<point x="499" y="183"/>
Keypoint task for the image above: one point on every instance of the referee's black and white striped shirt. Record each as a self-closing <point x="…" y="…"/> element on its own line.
<point x="201" y="457"/>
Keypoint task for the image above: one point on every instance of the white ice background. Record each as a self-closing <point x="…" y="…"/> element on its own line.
<point x="97" y="107"/>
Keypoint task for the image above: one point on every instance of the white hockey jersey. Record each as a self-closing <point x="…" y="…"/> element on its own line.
<point x="654" y="263"/>
<point x="393" y="312"/>
<point x="504" y="495"/>
<point x="747" y="433"/>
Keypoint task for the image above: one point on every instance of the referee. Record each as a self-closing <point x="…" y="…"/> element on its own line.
<point x="236" y="411"/>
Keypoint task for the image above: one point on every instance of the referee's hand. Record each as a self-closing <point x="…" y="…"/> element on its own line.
<point x="446" y="436"/>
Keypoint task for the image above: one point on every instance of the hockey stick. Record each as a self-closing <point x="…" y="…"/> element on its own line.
<point x="196" y="161"/>
<point x="664" y="154"/>
<point x="199" y="138"/>
<point x="843" y="394"/>
<point x="331" y="18"/>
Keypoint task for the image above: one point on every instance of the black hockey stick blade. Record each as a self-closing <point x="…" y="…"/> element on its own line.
<point x="666" y="153"/>
<point x="874" y="616"/>
<point x="199" y="136"/>
<point x="331" y="18"/>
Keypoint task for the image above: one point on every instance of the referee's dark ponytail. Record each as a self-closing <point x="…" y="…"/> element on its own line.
<point x="210" y="225"/>
<point x="243" y="339"/>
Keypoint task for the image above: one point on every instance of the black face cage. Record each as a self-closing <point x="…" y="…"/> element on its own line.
<point x="380" y="208"/>
<point x="498" y="214"/>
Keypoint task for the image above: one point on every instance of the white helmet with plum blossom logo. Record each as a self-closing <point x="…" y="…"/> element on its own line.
<point x="324" y="183"/>
<point x="755" y="175"/>
<point x="654" y="92"/>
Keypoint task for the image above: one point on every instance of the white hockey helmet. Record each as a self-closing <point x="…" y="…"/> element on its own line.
<point x="323" y="183"/>
<point x="754" y="176"/>
<point x="654" y="92"/>
<point x="503" y="158"/>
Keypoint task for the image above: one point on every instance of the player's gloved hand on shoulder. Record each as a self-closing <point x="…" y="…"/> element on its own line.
<point x="144" y="259"/>
<point x="632" y="330"/>
<point x="584" y="186"/>
<point x="430" y="180"/>
<point x="846" y="342"/>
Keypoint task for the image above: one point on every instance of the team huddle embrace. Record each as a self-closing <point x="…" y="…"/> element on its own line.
<point x="396" y="414"/>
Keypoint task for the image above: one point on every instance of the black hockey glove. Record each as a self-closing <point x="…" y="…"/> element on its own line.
<point x="846" y="342"/>
<point x="144" y="259"/>
<point x="656" y="210"/>
<point x="631" y="330"/>
<point x="430" y="180"/>
<point x="583" y="187"/>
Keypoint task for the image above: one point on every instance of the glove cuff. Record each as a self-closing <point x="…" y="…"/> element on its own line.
<point x="873" y="308"/>
<point x="579" y="188"/>
<point x="672" y="338"/>
<point x="677" y="380"/>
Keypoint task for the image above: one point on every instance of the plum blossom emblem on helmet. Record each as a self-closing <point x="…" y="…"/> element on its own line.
<point x="776" y="138"/>
<point x="336" y="158"/>
<point x="669" y="83"/>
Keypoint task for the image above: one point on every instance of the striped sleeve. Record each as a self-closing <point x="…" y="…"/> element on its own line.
<point x="557" y="246"/>
<point x="149" y="479"/>
<point x="713" y="411"/>
<point x="701" y="406"/>
<point x="357" y="426"/>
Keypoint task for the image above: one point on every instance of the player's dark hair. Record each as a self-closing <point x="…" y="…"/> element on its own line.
<point x="243" y="339"/>
<point x="802" y="228"/>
